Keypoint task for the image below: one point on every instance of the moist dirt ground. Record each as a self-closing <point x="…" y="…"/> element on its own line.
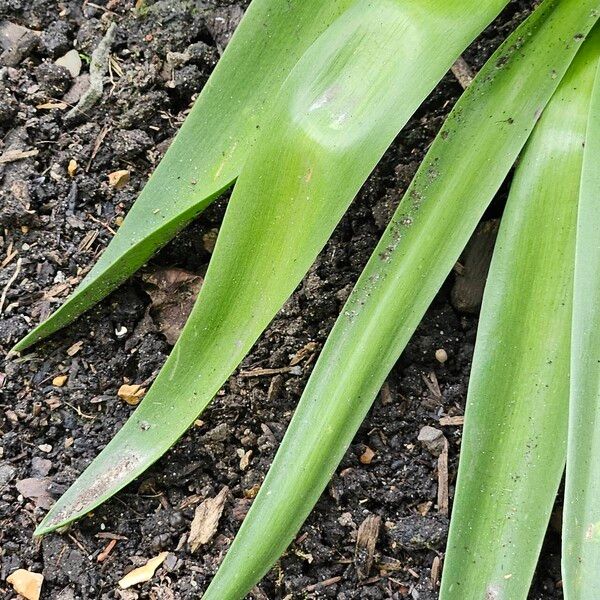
<point x="59" y="403"/>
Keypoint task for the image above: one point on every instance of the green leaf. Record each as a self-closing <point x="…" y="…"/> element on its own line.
<point x="338" y="111"/>
<point x="211" y="147"/>
<point x="461" y="173"/>
<point x="514" y="441"/>
<point x="581" y="514"/>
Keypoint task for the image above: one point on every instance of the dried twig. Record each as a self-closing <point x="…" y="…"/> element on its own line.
<point x="443" y="501"/>
<point x="12" y="155"/>
<point x="9" y="283"/>
<point x="322" y="584"/>
<point x="296" y="370"/>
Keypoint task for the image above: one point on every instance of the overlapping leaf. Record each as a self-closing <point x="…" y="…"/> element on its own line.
<point x="459" y="176"/>
<point x="337" y="112"/>
<point x="211" y="147"/>
<point x="514" y="442"/>
<point x="581" y="515"/>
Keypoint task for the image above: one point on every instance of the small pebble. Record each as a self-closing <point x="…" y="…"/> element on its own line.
<point x="441" y="355"/>
<point x="432" y="439"/>
<point x="71" y="61"/>
<point x="60" y="380"/>
<point x="121" y="331"/>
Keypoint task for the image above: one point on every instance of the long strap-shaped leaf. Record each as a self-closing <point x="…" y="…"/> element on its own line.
<point x="514" y="442"/>
<point x="464" y="168"/>
<point x="338" y="111"/>
<point x="581" y="515"/>
<point x="211" y="147"/>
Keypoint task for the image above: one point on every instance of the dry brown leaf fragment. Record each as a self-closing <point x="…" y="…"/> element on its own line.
<point x="60" y="380"/>
<point x="173" y="293"/>
<point x="36" y="489"/>
<point x="209" y="240"/>
<point x="118" y="179"/>
<point x="75" y="348"/>
<point x="366" y="539"/>
<point x="206" y="520"/>
<point x="143" y="573"/>
<point x="131" y="393"/>
<point x="26" y="583"/>
<point x="424" y="507"/>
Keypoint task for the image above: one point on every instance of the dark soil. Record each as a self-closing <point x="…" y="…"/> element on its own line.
<point x="54" y="226"/>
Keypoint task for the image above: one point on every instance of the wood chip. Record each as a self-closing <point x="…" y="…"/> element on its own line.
<point x="367" y="456"/>
<point x="206" y="520"/>
<point x="26" y="583"/>
<point x="118" y="179"/>
<point x="275" y="387"/>
<point x="107" y="550"/>
<point x="245" y="460"/>
<point x="303" y="353"/>
<point x="144" y="573"/>
<point x="209" y="240"/>
<point x="60" y="380"/>
<point x="88" y="240"/>
<point x="443" y="501"/>
<point x="52" y="106"/>
<point x="463" y="73"/>
<point x="10" y="281"/>
<point x="132" y="394"/>
<point x="75" y="348"/>
<point x="452" y="421"/>
<point x="424" y="508"/>
<point x="13" y="155"/>
<point x="366" y="539"/>
<point x="436" y="570"/>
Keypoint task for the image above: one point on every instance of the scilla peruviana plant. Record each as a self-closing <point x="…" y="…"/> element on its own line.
<point x="334" y="114"/>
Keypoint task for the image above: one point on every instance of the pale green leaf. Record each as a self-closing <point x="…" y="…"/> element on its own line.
<point x="581" y="514"/>
<point x="514" y="440"/>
